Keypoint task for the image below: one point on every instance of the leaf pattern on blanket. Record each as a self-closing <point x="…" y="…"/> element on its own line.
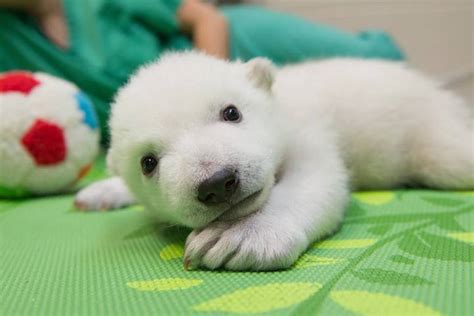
<point x="344" y="244"/>
<point x="466" y="192"/>
<point x="172" y="251"/>
<point x="356" y="209"/>
<point x="376" y="304"/>
<point x="463" y="236"/>
<point x="402" y="259"/>
<point x="375" y="197"/>
<point x="424" y="244"/>
<point x="434" y="233"/>
<point x="443" y="201"/>
<point x="447" y="222"/>
<point x="389" y="277"/>
<point x="167" y="284"/>
<point x="307" y="260"/>
<point x="259" y="299"/>
<point x="380" y="230"/>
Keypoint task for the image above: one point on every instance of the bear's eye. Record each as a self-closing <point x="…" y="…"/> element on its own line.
<point x="149" y="163"/>
<point x="231" y="114"/>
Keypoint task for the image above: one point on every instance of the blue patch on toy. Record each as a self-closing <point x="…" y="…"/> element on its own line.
<point x="85" y="105"/>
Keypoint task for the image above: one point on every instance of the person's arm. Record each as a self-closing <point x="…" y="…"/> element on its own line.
<point x="207" y="26"/>
<point x="49" y="14"/>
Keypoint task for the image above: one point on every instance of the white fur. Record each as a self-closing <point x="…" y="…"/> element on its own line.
<point x="103" y="195"/>
<point x="309" y="132"/>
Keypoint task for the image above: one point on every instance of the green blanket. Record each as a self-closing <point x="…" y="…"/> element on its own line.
<point x="398" y="253"/>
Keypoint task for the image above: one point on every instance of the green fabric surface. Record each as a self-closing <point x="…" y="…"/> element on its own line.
<point x="286" y="38"/>
<point x="405" y="252"/>
<point x="109" y="39"/>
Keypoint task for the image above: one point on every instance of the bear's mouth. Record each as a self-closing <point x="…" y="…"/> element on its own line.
<point x="243" y="207"/>
<point x="243" y="203"/>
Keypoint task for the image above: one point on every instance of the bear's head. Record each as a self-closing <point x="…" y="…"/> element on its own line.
<point x="196" y="138"/>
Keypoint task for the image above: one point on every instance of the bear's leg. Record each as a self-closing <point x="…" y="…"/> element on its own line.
<point x="443" y="156"/>
<point x="307" y="204"/>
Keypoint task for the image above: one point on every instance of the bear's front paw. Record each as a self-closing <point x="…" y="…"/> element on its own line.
<point x="243" y="245"/>
<point x="104" y="195"/>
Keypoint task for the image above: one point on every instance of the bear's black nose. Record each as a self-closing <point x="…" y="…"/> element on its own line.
<point x="219" y="187"/>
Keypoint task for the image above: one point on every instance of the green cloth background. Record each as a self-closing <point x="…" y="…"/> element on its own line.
<point x="109" y="39"/>
<point x="398" y="253"/>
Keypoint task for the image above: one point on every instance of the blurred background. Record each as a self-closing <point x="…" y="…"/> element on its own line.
<point x="84" y="41"/>
<point x="437" y="35"/>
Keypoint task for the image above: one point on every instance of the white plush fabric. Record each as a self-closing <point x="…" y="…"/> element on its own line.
<point x="54" y="101"/>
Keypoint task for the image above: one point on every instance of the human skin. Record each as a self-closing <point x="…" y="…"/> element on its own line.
<point x="207" y="26"/>
<point x="50" y="17"/>
<point x="202" y="21"/>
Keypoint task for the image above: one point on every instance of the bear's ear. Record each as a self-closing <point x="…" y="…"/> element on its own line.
<point x="261" y="72"/>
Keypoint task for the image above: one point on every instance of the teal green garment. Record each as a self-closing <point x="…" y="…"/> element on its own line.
<point x="109" y="39"/>
<point x="285" y="38"/>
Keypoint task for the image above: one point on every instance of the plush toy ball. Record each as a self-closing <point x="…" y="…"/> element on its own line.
<point x="49" y="134"/>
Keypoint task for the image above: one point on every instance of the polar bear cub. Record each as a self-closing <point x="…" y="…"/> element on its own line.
<point x="260" y="161"/>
